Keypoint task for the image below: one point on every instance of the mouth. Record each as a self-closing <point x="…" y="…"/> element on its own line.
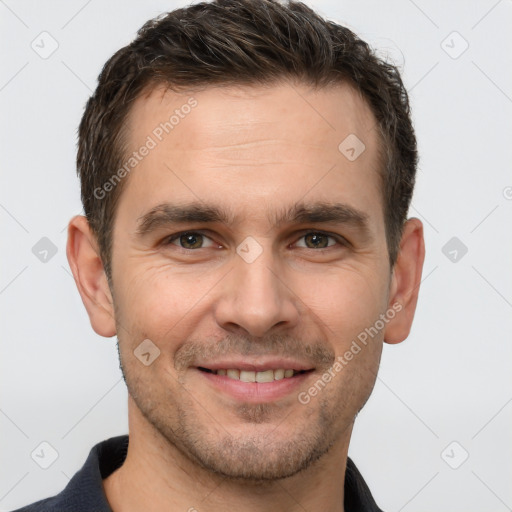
<point x="261" y="383"/>
<point x="262" y="376"/>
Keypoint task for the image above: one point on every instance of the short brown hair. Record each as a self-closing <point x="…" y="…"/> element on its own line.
<point x="241" y="42"/>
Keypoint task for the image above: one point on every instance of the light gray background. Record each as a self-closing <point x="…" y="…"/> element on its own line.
<point x="450" y="381"/>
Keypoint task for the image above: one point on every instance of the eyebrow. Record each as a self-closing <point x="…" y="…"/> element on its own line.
<point x="301" y="213"/>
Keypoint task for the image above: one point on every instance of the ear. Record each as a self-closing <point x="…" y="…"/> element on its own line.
<point x="405" y="282"/>
<point x="90" y="278"/>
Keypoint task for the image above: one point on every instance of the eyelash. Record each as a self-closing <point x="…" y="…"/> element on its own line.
<point x="340" y="240"/>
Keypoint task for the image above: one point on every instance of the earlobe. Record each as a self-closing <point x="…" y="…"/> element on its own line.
<point x="406" y="281"/>
<point x="83" y="257"/>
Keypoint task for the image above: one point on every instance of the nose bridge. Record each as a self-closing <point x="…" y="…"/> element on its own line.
<point x="254" y="297"/>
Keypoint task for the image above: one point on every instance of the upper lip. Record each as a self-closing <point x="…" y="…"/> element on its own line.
<point x="256" y="366"/>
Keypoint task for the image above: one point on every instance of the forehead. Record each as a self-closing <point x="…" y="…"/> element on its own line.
<point x="242" y="111"/>
<point x="252" y="145"/>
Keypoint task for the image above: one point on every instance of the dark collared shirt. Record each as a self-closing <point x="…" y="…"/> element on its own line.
<point x="84" y="492"/>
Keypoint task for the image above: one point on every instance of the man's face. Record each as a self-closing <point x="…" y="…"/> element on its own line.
<point x="275" y="286"/>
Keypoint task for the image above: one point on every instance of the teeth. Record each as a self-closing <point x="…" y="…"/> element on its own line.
<point x="267" y="376"/>
<point x="278" y="374"/>
<point x="251" y="376"/>
<point x="233" y="374"/>
<point x="246" y="376"/>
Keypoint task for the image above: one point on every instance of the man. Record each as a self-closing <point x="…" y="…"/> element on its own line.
<point x="246" y="172"/>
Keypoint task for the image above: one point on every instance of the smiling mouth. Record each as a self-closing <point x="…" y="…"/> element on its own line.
<point x="253" y="376"/>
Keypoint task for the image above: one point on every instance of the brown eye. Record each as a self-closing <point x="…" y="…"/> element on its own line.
<point x="316" y="240"/>
<point x="190" y="240"/>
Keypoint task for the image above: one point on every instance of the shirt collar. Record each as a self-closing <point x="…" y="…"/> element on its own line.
<point x="85" y="490"/>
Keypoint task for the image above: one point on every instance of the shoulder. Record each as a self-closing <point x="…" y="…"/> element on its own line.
<point x="84" y="491"/>
<point x="45" y="505"/>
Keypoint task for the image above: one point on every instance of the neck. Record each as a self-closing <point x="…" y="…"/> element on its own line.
<point x="157" y="472"/>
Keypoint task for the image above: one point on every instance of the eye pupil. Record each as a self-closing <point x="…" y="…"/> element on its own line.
<point x="313" y="240"/>
<point x="191" y="241"/>
<point x="318" y="240"/>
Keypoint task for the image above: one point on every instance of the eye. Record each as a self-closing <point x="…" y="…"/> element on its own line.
<point x="190" y="240"/>
<point x="319" y="240"/>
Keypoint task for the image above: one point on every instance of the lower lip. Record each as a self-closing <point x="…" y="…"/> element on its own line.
<point x="256" y="392"/>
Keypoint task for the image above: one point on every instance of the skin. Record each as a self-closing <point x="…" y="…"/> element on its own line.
<point x="253" y="150"/>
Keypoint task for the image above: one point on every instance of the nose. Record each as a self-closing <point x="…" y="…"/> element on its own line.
<point x="256" y="298"/>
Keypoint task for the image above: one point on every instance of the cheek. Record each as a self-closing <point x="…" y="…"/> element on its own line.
<point x="154" y="299"/>
<point x="163" y="301"/>
<point x="345" y="302"/>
